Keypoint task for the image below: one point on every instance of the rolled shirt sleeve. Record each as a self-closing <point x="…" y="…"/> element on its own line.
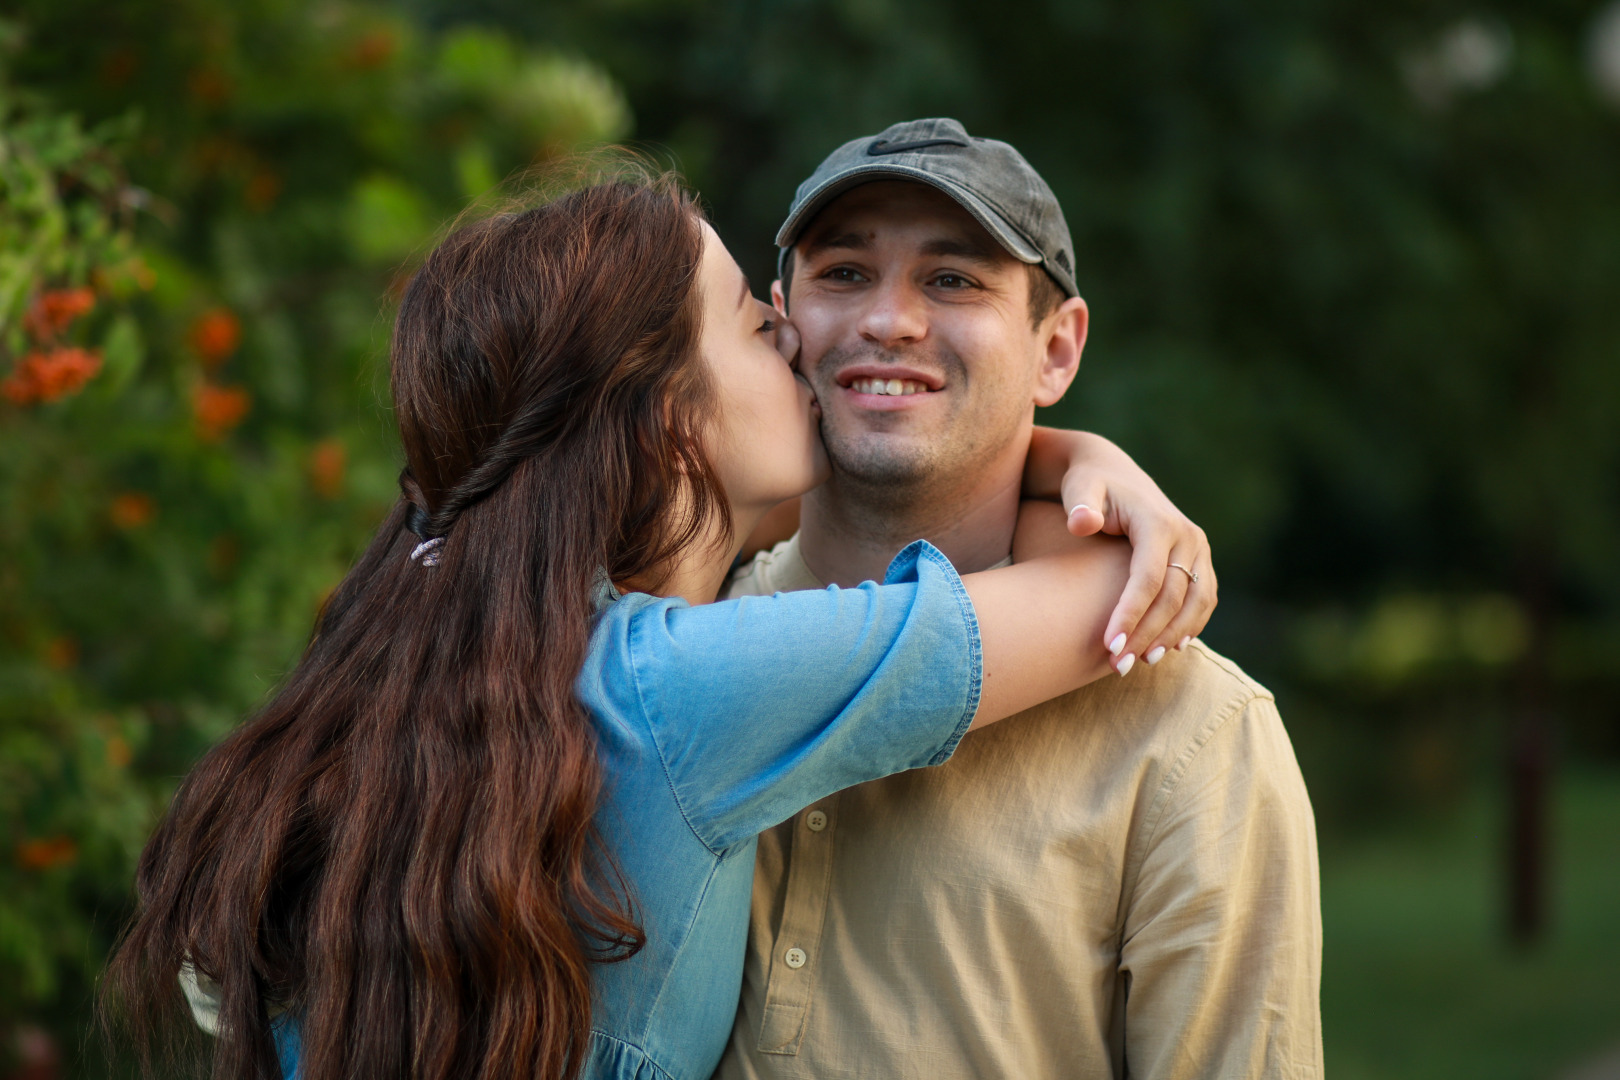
<point x="762" y="705"/>
<point x="1222" y="942"/>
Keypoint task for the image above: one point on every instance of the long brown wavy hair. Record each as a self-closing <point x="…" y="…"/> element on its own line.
<point x="398" y="849"/>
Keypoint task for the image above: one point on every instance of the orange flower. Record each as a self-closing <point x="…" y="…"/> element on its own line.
<point x="224" y="552"/>
<point x="132" y="509"/>
<point x="327" y="461"/>
<point x="61" y="653"/>
<point x="215" y="335"/>
<point x="113" y="278"/>
<point x="47" y="376"/>
<point x="373" y="50"/>
<point x="46" y="853"/>
<point x="209" y="86"/>
<point x="216" y="153"/>
<point x="119" y="66"/>
<point x="218" y="409"/>
<point x="55" y="309"/>
<point x="18" y="387"/>
<point x="262" y="190"/>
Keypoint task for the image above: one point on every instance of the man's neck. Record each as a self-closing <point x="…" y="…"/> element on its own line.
<point x="849" y="531"/>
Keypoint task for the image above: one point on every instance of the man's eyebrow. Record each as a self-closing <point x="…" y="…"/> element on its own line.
<point x="962" y="247"/>
<point x="848" y="241"/>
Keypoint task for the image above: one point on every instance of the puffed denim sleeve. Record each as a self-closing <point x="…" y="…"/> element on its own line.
<point x="760" y="706"/>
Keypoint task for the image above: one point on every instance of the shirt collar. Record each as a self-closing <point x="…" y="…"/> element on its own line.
<point x="603" y="591"/>
<point x="790" y="573"/>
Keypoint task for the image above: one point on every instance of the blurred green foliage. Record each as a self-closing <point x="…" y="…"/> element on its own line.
<point x="1416" y="984"/>
<point x="202" y="210"/>
<point x="1351" y="269"/>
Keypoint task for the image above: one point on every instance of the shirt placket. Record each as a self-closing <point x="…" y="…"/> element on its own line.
<point x="797" y="948"/>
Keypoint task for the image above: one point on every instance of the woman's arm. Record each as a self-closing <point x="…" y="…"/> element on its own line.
<point x="763" y="704"/>
<point x="1103" y="490"/>
<point x="1041" y="621"/>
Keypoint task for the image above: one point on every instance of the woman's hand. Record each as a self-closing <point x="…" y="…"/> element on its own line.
<point x="1103" y="490"/>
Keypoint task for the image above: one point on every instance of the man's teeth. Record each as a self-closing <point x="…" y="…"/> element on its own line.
<point x="892" y="387"/>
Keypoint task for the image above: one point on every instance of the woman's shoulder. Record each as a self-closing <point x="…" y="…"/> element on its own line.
<point x="609" y="676"/>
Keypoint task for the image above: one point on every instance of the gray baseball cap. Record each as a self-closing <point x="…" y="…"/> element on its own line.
<point x="990" y="179"/>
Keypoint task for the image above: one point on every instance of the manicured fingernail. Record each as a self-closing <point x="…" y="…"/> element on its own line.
<point x="1154" y="656"/>
<point x="1117" y="644"/>
<point x="1184" y="643"/>
<point x="1125" y="664"/>
<point x="1078" y="507"/>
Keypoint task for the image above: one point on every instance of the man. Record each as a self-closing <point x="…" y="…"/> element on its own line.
<point x="1121" y="882"/>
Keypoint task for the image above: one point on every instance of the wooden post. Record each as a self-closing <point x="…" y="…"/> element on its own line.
<point x="1530" y="760"/>
<point x="1529" y="773"/>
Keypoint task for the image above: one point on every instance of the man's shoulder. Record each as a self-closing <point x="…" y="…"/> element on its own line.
<point x="1201" y="695"/>
<point x="1186" y="690"/>
<point x="1131" y="733"/>
<point x="1207" y="675"/>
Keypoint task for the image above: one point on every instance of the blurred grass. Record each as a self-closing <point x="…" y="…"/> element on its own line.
<point x="1418" y="978"/>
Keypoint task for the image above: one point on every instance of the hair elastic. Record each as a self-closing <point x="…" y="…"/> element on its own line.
<point x="427" y="551"/>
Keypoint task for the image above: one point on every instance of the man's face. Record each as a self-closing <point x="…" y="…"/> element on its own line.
<point x="916" y="335"/>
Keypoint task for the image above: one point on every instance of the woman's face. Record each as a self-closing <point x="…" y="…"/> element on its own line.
<point x="765" y="443"/>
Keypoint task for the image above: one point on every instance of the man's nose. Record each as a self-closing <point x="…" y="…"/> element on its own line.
<point x="896" y="314"/>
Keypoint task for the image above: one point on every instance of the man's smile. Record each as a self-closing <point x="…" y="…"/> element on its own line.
<point x="888" y="386"/>
<point x="891" y="387"/>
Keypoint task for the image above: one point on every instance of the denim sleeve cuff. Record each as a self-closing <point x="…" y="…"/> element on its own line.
<point x="919" y="562"/>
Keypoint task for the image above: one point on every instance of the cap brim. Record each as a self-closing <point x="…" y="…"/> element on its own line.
<point x="985" y="214"/>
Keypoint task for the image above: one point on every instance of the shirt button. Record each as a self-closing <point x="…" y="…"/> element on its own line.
<point x="817" y="820"/>
<point x="795" y="958"/>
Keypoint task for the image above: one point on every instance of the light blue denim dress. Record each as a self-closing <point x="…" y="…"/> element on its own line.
<point x="720" y="721"/>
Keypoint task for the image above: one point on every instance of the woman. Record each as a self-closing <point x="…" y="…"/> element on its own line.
<point x="500" y="820"/>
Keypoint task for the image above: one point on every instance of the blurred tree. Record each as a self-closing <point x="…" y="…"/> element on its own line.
<point x="190" y="349"/>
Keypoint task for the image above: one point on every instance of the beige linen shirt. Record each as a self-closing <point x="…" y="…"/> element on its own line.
<point x="1120" y="882"/>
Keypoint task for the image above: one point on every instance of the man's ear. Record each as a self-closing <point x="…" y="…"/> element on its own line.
<point x="1064" y="339"/>
<point x="779" y="298"/>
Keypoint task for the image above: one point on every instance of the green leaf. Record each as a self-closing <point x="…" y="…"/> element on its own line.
<point x="122" y="353"/>
<point x="387" y="219"/>
<point x="475" y="170"/>
<point x="563" y="101"/>
<point x="477" y="61"/>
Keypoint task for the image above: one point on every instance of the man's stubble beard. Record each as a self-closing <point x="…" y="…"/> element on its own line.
<point x="895" y="478"/>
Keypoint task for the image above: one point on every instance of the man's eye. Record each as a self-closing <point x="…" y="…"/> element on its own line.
<point x="952" y="281"/>
<point x="844" y="273"/>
